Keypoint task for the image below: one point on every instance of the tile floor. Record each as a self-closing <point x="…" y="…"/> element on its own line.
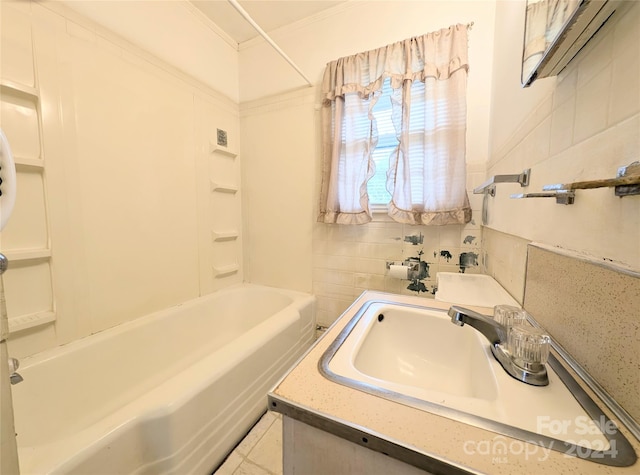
<point x="260" y="452"/>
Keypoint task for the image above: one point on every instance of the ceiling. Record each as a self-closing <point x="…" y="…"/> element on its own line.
<point x="268" y="14"/>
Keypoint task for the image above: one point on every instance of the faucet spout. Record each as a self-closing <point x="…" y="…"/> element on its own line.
<point x="492" y="330"/>
<point x="530" y="372"/>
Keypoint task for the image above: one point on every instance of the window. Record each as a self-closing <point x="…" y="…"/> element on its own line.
<point x="394" y="124"/>
<point x="386" y="146"/>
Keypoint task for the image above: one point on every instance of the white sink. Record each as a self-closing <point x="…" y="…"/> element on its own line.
<point x="414" y="355"/>
<point x="429" y="357"/>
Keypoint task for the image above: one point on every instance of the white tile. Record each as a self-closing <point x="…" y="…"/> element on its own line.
<point x="249" y="468"/>
<point x="332" y="276"/>
<point x="364" y="265"/>
<point x="450" y="236"/>
<point x="591" y="106"/>
<point x="369" y="281"/>
<point x="566" y="86"/>
<point x="268" y="451"/>
<point x="562" y="120"/>
<point x="338" y="291"/>
<point x="595" y="57"/>
<point x="230" y="465"/>
<point x="625" y="85"/>
<point x="258" y="431"/>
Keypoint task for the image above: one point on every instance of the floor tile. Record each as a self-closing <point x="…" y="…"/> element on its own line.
<point x="230" y="465"/>
<point x="260" y="452"/>
<point x="268" y="451"/>
<point x="248" y="468"/>
<point x="255" y="434"/>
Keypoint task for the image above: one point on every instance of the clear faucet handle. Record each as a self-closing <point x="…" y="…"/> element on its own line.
<point x="529" y="346"/>
<point x="509" y="316"/>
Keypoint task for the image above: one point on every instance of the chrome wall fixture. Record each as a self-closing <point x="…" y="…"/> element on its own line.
<point x="626" y="183"/>
<point x="489" y="185"/>
<point x="562" y="197"/>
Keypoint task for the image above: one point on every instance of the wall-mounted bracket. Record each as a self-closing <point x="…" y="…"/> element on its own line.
<point x="563" y="197"/>
<point x="629" y="171"/>
<point x="627" y="182"/>
<point x="489" y="185"/>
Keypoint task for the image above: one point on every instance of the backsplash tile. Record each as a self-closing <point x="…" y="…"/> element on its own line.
<point x="592" y="309"/>
<point x="505" y="260"/>
<point x="348" y="260"/>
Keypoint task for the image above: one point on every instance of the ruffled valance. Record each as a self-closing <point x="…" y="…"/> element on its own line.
<point x="437" y="55"/>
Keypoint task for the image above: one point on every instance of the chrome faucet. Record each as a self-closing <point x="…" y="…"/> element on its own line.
<point x="524" y="363"/>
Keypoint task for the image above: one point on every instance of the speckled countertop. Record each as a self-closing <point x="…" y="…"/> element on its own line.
<point x="305" y="394"/>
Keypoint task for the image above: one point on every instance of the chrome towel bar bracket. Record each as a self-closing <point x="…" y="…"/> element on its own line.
<point x="489" y="185"/>
<point x="626" y="182"/>
<point x="563" y="197"/>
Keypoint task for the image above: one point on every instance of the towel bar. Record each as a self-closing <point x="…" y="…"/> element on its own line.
<point x="563" y="197"/>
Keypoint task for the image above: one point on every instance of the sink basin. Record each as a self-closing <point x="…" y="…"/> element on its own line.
<point x="428" y="357"/>
<point x="415" y="356"/>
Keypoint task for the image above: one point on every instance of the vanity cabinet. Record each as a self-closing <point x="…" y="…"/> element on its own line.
<point x="312" y="451"/>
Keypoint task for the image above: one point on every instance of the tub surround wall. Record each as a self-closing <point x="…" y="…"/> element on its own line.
<point x="591" y="308"/>
<point x="127" y="212"/>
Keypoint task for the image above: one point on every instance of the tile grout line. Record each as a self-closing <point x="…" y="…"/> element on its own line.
<point x="266" y="430"/>
<point x="245" y="458"/>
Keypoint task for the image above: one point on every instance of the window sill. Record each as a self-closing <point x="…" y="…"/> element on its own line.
<point x="380" y="214"/>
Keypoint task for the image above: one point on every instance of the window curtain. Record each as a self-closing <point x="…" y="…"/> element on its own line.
<point x="427" y="173"/>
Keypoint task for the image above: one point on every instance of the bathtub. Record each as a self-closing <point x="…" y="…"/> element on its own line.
<point x="171" y="392"/>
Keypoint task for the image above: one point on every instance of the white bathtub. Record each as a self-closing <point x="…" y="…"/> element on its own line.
<point x="172" y="392"/>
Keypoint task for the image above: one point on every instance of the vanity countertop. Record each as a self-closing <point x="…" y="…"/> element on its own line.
<point x="413" y="434"/>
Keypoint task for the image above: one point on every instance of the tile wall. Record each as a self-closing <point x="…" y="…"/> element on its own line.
<point x="350" y="259"/>
<point x="584" y="125"/>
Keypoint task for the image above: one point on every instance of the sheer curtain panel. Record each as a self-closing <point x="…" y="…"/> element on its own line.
<point x="427" y="172"/>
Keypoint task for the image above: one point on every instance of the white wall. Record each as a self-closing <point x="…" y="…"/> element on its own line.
<point x="173" y="31"/>
<point x="280" y="130"/>
<point x="582" y="125"/>
<point x="278" y="153"/>
<point x="115" y="213"/>
<point x="360" y="26"/>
